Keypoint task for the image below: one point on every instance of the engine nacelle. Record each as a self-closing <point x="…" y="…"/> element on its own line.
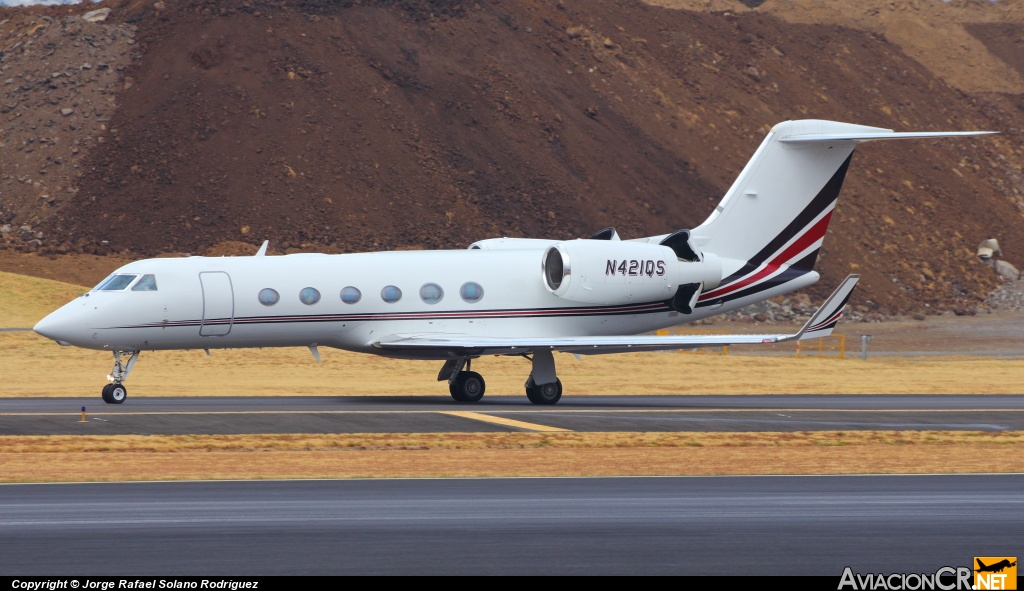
<point x="614" y="272"/>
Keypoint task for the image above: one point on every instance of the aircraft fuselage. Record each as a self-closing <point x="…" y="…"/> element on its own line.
<point x="207" y="303"/>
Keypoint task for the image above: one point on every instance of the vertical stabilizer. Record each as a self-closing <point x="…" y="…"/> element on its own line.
<point x="770" y="225"/>
<point x="768" y="229"/>
<point x="778" y="209"/>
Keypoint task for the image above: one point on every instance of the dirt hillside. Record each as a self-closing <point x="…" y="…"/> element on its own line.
<point x="344" y="126"/>
<point x="937" y="33"/>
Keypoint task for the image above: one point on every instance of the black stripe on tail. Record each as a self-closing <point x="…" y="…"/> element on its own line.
<point x="828" y="194"/>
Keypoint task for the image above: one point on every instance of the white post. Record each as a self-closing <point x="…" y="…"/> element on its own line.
<point x="864" y="346"/>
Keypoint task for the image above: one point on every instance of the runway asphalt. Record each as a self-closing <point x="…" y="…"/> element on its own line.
<point x="701" y="526"/>
<point x="420" y="414"/>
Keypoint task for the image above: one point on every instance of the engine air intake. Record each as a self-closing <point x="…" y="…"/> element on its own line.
<point x="556" y="267"/>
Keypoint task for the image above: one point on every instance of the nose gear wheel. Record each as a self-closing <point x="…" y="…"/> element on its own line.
<point x="115" y="393"/>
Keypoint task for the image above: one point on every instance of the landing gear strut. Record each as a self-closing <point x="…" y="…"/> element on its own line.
<point x="115" y="392"/>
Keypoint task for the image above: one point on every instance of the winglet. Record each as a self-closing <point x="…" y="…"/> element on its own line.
<point x="825" y="319"/>
<point x="262" y="252"/>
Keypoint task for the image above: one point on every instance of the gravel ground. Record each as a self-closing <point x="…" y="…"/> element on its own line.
<point x="1007" y="297"/>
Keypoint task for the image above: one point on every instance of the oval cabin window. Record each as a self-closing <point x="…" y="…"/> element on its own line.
<point x="391" y="294"/>
<point x="269" y="297"/>
<point x="351" y="295"/>
<point x="431" y="293"/>
<point x="309" y="296"/>
<point x="471" y="292"/>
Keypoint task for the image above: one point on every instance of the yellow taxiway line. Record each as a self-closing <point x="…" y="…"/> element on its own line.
<point x="476" y="416"/>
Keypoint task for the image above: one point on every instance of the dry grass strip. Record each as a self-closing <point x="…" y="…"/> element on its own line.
<point x="180" y="457"/>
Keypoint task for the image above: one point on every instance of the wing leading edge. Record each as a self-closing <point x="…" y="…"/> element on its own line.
<point x="819" y="325"/>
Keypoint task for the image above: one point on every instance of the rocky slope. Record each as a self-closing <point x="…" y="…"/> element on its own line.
<point x="343" y="126"/>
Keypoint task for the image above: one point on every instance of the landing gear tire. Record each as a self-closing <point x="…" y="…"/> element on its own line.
<point x="468" y="386"/>
<point x="547" y="394"/>
<point x="114" y="393"/>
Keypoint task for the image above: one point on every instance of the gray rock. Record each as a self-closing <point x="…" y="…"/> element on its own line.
<point x="96" y="16"/>
<point x="66" y="111"/>
<point x="1006" y="270"/>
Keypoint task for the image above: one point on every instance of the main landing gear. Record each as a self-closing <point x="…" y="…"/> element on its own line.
<point x="463" y="384"/>
<point x="542" y="387"/>
<point x="468" y="386"/>
<point x="115" y="392"/>
<point x="546" y="394"/>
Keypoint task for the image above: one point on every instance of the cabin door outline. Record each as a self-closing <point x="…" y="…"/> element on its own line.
<point x="218" y="304"/>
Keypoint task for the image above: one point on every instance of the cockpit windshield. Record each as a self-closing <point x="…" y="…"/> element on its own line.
<point x="116" y="283"/>
<point x="147" y="283"/>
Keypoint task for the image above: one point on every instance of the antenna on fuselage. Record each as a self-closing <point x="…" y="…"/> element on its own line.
<point x="262" y="252"/>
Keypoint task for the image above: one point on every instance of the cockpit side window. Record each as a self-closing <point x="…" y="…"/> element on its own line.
<point x="102" y="283"/>
<point x="147" y="283"/>
<point x="116" y="283"/>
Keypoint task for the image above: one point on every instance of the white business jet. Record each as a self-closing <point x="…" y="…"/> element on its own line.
<point x="503" y="296"/>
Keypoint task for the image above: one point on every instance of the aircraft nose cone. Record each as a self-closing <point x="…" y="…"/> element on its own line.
<point x="53" y="327"/>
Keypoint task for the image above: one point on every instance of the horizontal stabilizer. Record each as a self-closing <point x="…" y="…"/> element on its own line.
<point x="820" y="324"/>
<point x="817" y="138"/>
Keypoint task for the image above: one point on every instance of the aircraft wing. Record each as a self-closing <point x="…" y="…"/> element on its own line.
<point x="819" y="325"/>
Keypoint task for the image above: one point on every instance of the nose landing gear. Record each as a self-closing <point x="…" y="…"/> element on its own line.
<point x="115" y="392"/>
